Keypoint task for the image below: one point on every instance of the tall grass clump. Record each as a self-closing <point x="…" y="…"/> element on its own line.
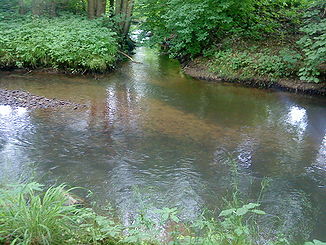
<point x="70" y="42"/>
<point x="28" y="217"/>
<point x="31" y="215"/>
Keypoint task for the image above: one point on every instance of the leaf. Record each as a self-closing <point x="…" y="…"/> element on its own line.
<point x="175" y="218"/>
<point x="251" y="205"/>
<point x="238" y="231"/>
<point x="227" y="212"/>
<point x="241" y="211"/>
<point x="257" y="211"/>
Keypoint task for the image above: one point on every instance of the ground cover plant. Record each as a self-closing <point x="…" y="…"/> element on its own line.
<point x="71" y="43"/>
<point x="256" y="61"/>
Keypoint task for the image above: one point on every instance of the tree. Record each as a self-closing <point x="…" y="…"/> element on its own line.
<point x="128" y="13"/>
<point x="22" y="7"/>
<point x="96" y="8"/>
<point x="121" y="8"/>
<point x="91" y="9"/>
<point x="37" y="7"/>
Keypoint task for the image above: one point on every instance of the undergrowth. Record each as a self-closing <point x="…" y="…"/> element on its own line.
<point x="70" y="42"/>
<point x="256" y="61"/>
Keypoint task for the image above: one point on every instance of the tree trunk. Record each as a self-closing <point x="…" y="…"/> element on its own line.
<point x="124" y="7"/>
<point x="37" y="7"/>
<point x="128" y="14"/>
<point x="100" y="7"/>
<point x="103" y="6"/>
<point x="52" y="8"/>
<point x="91" y="9"/>
<point x="22" y="7"/>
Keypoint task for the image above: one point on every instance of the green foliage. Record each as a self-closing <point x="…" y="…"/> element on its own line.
<point x="315" y="242"/>
<point x="29" y="215"/>
<point x="187" y="27"/>
<point x="71" y="6"/>
<point x="70" y="43"/>
<point x="256" y="62"/>
<point x="314" y="41"/>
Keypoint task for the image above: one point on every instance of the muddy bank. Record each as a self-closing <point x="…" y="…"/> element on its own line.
<point x="199" y="68"/>
<point x="25" y="99"/>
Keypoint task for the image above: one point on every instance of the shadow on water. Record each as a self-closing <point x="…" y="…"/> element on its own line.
<point x="149" y="126"/>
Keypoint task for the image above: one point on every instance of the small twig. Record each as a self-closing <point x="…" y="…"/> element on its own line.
<point x="28" y="72"/>
<point x="137" y="62"/>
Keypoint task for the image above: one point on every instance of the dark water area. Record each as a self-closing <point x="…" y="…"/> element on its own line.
<point x="151" y="130"/>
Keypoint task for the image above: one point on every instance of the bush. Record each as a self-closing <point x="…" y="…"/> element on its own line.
<point x="254" y="63"/>
<point x="70" y="43"/>
<point x="313" y="42"/>
<point x="188" y="27"/>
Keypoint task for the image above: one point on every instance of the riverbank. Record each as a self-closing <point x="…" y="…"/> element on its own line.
<point x="200" y="68"/>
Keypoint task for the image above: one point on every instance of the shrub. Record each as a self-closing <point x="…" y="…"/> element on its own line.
<point x="313" y="42"/>
<point x="188" y="27"/>
<point x="266" y="63"/>
<point x="70" y="43"/>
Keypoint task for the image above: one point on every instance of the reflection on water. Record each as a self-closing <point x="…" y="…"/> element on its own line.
<point x="147" y="126"/>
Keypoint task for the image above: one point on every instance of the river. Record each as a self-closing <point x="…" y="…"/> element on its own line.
<point x="153" y="136"/>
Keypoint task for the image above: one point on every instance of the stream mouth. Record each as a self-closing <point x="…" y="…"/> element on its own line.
<point x="149" y="135"/>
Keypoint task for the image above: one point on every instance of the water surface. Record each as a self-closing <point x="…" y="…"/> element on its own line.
<point x="151" y="129"/>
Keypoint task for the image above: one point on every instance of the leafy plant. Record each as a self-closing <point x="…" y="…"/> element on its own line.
<point x="71" y="43"/>
<point x="315" y="242"/>
<point x="313" y="42"/>
<point x="265" y="62"/>
<point x="186" y="28"/>
<point x="33" y="218"/>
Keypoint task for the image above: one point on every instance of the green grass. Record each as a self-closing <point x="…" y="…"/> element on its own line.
<point x="29" y="215"/>
<point x="71" y="43"/>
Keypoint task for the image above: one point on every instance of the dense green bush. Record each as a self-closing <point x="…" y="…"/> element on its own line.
<point x="254" y="62"/>
<point x="188" y="27"/>
<point x="71" y="43"/>
<point x="72" y="6"/>
<point x="313" y="43"/>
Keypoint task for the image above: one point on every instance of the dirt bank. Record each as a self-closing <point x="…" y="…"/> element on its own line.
<point x="25" y="99"/>
<point x="199" y="68"/>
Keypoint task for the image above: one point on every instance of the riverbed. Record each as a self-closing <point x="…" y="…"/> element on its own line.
<point x="149" y="135"/>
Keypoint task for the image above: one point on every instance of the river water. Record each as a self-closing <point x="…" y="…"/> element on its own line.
<point x="153" y="136"/>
